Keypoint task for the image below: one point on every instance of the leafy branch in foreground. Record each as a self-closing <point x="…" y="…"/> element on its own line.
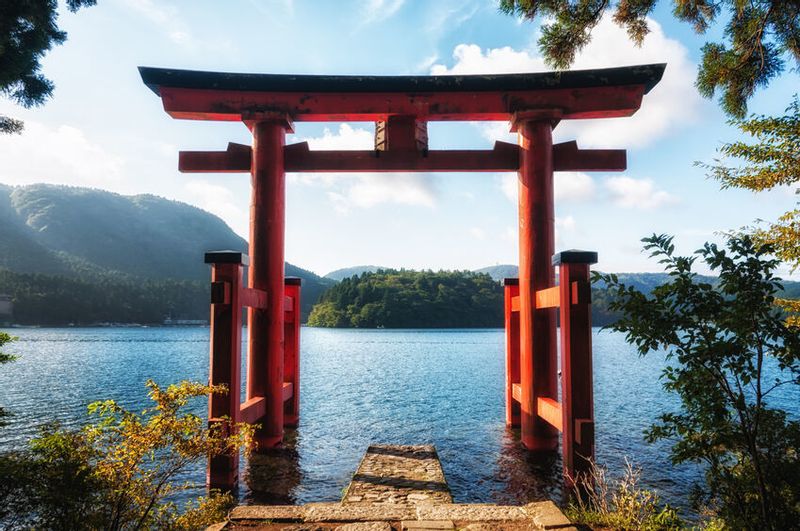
<point x="728" y="349"/>
<point x="28" y="30"/>
<point x="769" y="160"/>
<point x="759" y="37"/>
<point x="123" y="471"/>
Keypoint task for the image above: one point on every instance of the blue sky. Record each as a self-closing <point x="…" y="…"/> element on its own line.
<point x="105" y="129"/>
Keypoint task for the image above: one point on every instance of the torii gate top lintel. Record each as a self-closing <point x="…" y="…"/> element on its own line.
<point x="598" y="93"/>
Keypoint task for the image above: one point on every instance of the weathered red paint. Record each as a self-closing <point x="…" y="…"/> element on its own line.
<point x="512" y="352"/>
<point x="265" y="330"/>
<point x="538" y="376"/>
<point x="577" y="400"/>
<point x="225" y="367"/>
<point x="230" y="105"/>
<point x="291" y="352"/>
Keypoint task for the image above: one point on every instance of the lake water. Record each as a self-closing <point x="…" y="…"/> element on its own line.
<point x="358" y="387"/>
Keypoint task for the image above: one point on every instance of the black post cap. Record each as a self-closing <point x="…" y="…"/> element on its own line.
<point x="574" y="256"/>
<point x="511" y="282"/>
<point x="292" y="281"/>
<point x="227" y="257"/>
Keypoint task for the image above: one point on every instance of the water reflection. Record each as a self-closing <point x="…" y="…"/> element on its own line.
<point x="272" y="476"/>
<point x="527" y="476"/>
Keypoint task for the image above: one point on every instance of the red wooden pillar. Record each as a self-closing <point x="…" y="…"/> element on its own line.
<point x="538" y="377"/>
<point x="577" y="402"/>
<point x="225" y="365"/>
<point x="267" y="220"/>
<point x="291" y="353"/>
<point x="512" y="350"/>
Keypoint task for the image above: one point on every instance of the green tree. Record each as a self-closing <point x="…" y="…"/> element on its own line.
<point x="5" y="358"/>
<point x="120" y="472"/>
<point x="758" y="37"/>
<point x="412" y="299"/>
<point x="770" y="159"/>
<point x="728" y="348"/>
<point x="28" y="30"/>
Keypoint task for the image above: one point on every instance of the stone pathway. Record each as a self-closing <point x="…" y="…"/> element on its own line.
<point x="398" y="475"/>
<point x="397" y="488"/>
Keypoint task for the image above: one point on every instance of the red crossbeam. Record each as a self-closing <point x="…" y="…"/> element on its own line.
<point x="550" y="411"/>
<point x="254" y="298"/>
<point x="504" y="157"/>
<point x="567" y="157"/>
<point x="252" y="410"/>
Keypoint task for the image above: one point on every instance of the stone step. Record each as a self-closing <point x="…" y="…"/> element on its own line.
<point x="399" y="475"/>
<point x="397" y="488"/>
<point x="534" y="516"/>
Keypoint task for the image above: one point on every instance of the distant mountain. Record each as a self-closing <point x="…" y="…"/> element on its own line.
<point x="88" y="234"/>
<point x="347" y="272"/>
<point x="499" y="272"/>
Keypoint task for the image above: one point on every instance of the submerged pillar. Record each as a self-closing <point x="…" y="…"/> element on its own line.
<point x="537" y="328"/>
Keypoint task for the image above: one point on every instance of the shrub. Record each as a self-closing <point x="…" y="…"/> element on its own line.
<point x="121" y="472"/>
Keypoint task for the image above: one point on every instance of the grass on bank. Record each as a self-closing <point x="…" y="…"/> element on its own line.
<point x="602" y="502"/>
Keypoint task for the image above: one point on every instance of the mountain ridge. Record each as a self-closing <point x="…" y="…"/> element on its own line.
<point x="94" y="235"/>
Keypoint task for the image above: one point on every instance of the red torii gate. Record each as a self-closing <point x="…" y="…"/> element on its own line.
<point x="401" y="107"/>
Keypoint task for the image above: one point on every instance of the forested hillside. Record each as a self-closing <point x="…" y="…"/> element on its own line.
<point x="412" y="299"/>
<point x="79" y="255"/>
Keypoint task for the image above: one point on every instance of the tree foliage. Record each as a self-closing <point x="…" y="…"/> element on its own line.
<point x="121" y="472"/>
<point x="771" y="159"/>
<point x="28" y="30"/>
<point x="412" y="299"/>
<point x="721" y="343"/>
<point x="4" y="358"/>
<point x="56" y="300"/>
<point x="759" y="37"/>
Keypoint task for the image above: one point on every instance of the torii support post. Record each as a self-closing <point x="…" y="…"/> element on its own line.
<point x="265" y="365"/>
<point x="577" y="397"/>
<point x="291" y="353"/>
<point x="225" y="363"/>
<point x="511" y="288"/>
<point x="538" y="378"/>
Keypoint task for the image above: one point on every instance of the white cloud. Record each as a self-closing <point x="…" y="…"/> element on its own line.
<point x="574" y="186"/>
<point x="378" y="10"/>
<point x="511" y="234"/>
<point x="477" y="233"/>
<point x="449" y="16"/>
<point x="171" y="22"/>
<point x="566" y="223"/>
<point x="674" y="102"/>
<point x="371" y="189"/>
<point x="627" y="192"/>
<point x="61" y="155"/>
<point x="365" y="190"/>
<point x="346" y="138"/>
<point x="426" y="63"/>
<point x="220" y="201"/>
<point x="568" y="186"/>
<point x="470" y="59"/>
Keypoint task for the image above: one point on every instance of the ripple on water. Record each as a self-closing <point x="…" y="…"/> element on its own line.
<point x="442" y="387"/>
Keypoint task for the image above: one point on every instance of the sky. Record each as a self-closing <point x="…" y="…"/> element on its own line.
<point x="104" y="129"/>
